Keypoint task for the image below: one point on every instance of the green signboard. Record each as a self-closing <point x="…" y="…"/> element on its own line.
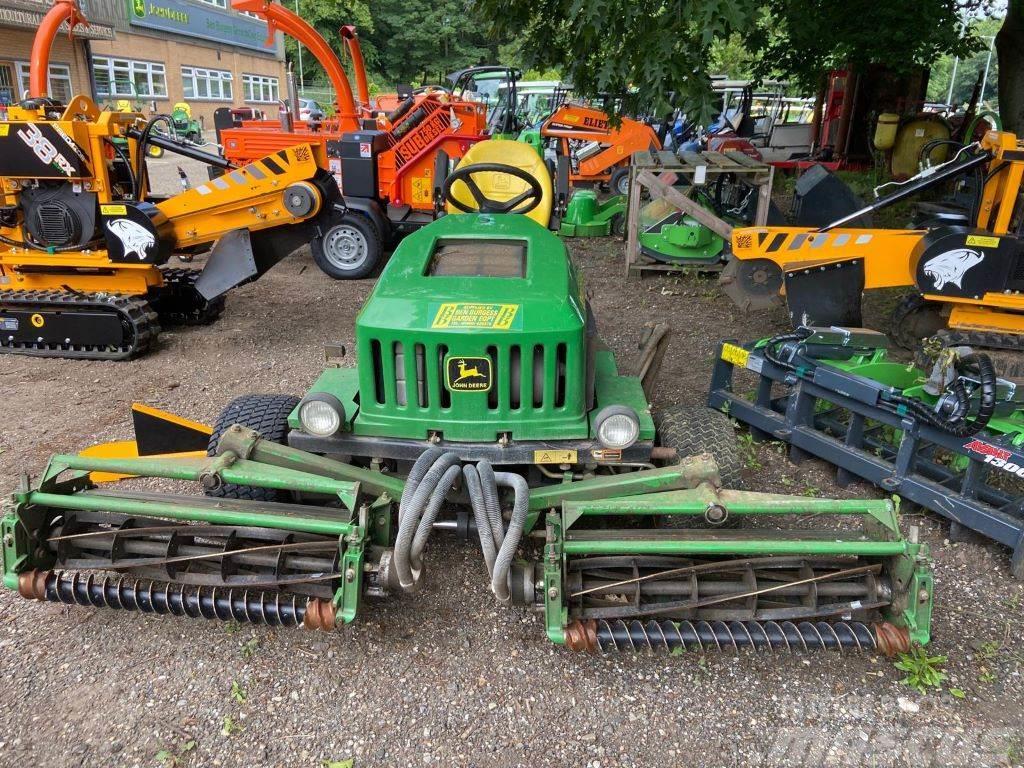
<point x="210" y="23"/>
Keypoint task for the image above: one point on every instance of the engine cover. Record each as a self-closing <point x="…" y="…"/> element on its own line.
<point x="967" y="263"/>
<point x="58" y="217"/>
<point x="133" y="233"/>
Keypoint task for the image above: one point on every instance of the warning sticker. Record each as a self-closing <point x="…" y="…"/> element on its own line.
<point x="497" y="317"/>
<point x="735" y="355"/>
<point x="8" y="323"/>
<point x="420" y="188"/>
<point x="554" y="457"/>
<point x="5" y="129"/>
<point x="365" y="149"/>
<point x="114" y="210"/>
<point x="983" y="241"/>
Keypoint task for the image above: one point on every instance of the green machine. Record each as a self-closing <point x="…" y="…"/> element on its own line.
<point x="586" y="216"/>
<point x="486" y="404"/>
<point x="668" y="235"/>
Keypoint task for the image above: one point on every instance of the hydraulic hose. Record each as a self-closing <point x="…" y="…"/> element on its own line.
<point x="426" y="526"/>
<point x="483" y="524"/>
<point x="489" y="487"/>
<point x="142" y="171"/>
<point x="427" y="490"/>
<point x="507" y="552"/>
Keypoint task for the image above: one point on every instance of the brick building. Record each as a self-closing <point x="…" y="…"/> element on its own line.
<point x="153" y="53"/>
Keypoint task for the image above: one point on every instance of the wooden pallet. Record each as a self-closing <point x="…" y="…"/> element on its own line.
<point x="658" y="174"/>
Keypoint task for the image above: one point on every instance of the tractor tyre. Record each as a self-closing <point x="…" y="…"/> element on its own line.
<point x="619" y="182"/>
<point x="699" y="430"/>
<point x="617" y="226"/>
<point x="696" y="430"/>
<point x="349" y="247"/>
<point x="268" y="415"/>
<point x="915" y="319"/>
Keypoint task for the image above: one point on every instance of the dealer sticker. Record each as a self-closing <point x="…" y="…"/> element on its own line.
<point x="735" y="355"/>
<point x="496" y="317"/>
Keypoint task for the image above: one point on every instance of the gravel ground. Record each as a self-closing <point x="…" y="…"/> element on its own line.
<point x="447" y="677"/>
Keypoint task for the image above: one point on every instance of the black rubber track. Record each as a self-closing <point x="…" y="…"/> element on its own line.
<point x="268" y="415"/>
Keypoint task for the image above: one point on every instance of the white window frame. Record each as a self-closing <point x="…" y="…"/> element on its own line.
<point x="59" y="73"/>
<point x="121" y="74"/>
<point x="261" y="89"/>
<point x="217" y="83"/>
<point x="216" y="3"/>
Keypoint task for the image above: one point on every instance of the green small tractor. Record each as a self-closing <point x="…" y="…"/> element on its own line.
<point x="484" y="402"/>
<point x="183" y="126"/>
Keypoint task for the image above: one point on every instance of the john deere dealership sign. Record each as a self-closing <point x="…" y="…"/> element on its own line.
<point x="196" y="21"/>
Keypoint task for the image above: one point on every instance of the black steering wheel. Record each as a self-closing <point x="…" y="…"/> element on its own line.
<point x="529" y="199"/>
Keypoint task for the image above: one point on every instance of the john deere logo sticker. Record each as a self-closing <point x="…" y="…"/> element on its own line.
<point x="495" y="317"/>
<point x="468" y="374"/>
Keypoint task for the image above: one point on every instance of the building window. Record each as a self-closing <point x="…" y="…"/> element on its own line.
<point x="259" y="88"/>
<point x="217" y="3"/>
<point x="59" y="81"/>
<point x="124" y="77"/>
<point x="212" y="84"/>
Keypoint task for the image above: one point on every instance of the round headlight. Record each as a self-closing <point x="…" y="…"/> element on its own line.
<point x="321" y="416"/>
<point x="617" y="426"/>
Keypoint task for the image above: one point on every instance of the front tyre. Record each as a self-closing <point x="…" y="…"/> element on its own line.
<point x="268" y="415"/>
<point x="696" y="430"/>
<point x="348" y="248"/>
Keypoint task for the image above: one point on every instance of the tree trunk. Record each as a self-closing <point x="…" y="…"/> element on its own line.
<point x="1009" y="44"/>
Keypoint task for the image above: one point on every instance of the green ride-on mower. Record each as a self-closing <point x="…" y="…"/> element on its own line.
<point x="183" y="126"/>
<point x="483" y="402"/>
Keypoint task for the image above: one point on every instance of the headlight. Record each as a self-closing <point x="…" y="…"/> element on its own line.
<point x="321" y="414"/>
<point x="617" y="426"/>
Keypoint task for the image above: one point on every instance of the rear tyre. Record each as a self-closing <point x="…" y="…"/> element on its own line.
<point x="696" y="430"/>
<point x="268" y="415"/>
<point x="619" y="182"/>
<point x="693" y="431"/>
<point x="348" y="248"/>
<point x="618" y="225"/>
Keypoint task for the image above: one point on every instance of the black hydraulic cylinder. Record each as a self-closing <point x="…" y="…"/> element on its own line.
<point x="179" y="148"/>
<point x="912" y="188"/>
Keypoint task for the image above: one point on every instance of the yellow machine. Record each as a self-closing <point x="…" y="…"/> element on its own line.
<point x="967" y="264"/>
<point x="84" y="244"/>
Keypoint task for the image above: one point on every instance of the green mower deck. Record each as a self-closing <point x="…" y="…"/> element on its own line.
<point x="611" y="572"/>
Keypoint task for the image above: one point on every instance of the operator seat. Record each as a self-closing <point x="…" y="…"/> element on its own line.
<point x="502" y="186"/>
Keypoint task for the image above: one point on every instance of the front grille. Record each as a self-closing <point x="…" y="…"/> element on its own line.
<point x="524" y="378"/>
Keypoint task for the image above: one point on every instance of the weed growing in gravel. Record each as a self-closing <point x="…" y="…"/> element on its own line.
<point x="810" y="490"/>
<point x="338" y="763"/>
<point x="172" y="759"/>
<point x="232" y="626"/>
<point x="249" y="648"/>
<point x="923" y="671"/>
<point x="229" y="726"/>
<point x="237" y="692"/>
<point x="749" y="450"/>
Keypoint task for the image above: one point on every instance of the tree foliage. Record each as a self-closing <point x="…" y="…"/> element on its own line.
<point x="403" y="41"/>
<point x="657" y="47"/>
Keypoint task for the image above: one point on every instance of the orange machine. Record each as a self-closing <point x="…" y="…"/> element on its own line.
<point x="384" y="164"/>
<point x="597" y="152"/>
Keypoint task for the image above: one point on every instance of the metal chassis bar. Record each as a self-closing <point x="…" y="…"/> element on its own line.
<point x="799" y="426"/>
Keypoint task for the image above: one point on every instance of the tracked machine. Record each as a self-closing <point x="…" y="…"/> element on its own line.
<point x="484" y="403"/>
<point x="84" y="243"/>
<point x="965" y="259"/>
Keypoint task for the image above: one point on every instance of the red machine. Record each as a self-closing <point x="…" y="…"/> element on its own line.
<point x="383" y="163"/>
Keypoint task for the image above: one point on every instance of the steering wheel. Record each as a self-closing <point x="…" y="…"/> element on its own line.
<point x="530" y="198"/>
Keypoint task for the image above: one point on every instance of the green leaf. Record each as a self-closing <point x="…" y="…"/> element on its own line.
<point x="957" y="693"/>
<point x="338" y="763"/>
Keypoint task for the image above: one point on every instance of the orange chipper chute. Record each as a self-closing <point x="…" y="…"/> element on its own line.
<point x="39" y="67"/>
<point x="351" y="39"/>
<point x="279" y="17"/>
